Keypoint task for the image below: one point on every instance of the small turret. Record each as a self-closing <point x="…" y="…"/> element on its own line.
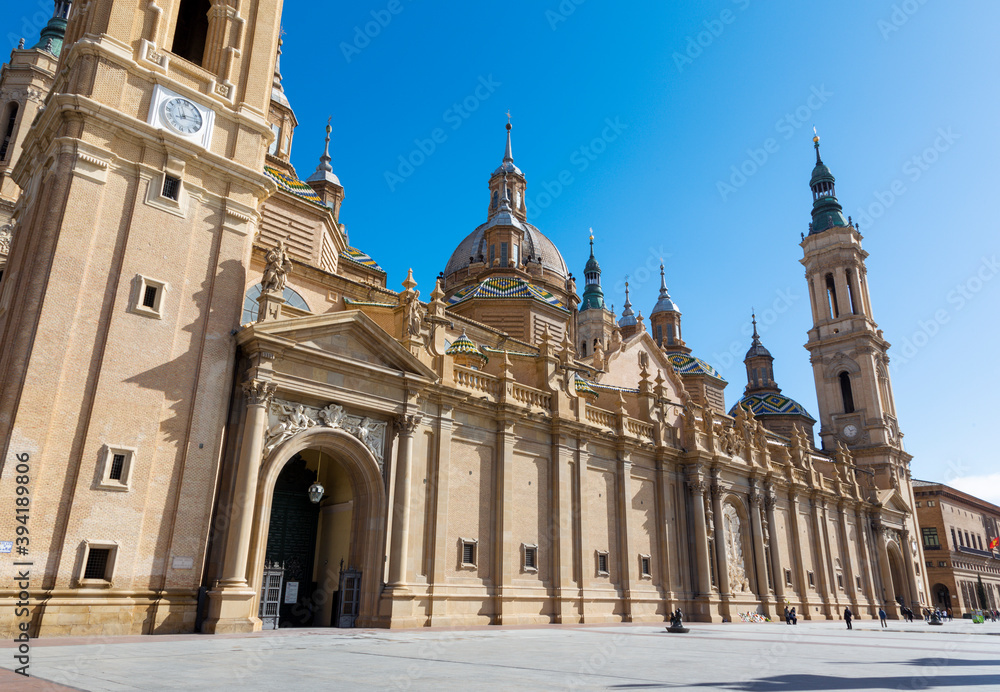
<point x="665" y="320"/>
<point x="827" y="212"/>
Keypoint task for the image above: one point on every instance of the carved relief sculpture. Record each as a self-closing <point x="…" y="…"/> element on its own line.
<point x="738" y="581"/>
<point x="287" y="419"/>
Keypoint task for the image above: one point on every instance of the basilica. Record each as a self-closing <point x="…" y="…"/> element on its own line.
<point x="228" y="417"/>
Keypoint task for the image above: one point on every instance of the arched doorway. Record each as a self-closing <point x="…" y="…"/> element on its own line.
<point x="942" y="596"/>
<point x="899" y="592"/>
<point x="315" y="541"/>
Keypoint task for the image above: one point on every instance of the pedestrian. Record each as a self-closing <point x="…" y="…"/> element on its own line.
<point x="950" y="618"/>
<point x="881" y="617"/>
<point x="847" y="617"/>
<point x="787" y="616"/>
<point x="795" y="618"/>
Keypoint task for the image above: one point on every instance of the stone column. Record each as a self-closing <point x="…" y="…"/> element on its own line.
<point x="864" y="553"/>
<point x="910" y="571"/>
<point x="504" y="556"/>
<point x="822" y="554"/>
<point x="721" y="554"/>
<point x="697" y="486"/>
<point x="441" y="547"/>
<point x="775" y="545"/>
<point x="760" y="563"/>
<point x="400" y="544"/>
<point x="851" y="588"/>
<point x="665" y="531"/>
<point x="230" y="605"/>
<point x="800" y="563"/>
<point x="624" y="504"/>
<point x="888" y="599"/>
<point x="562" y="526"/>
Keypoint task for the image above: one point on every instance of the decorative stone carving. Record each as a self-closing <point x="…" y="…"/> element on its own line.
<point x="6" y="236"/>
<point x="733" y="530"/>
<point x="258" y="392"/>
<point x="287" y="419"/>
<point x="277" y="270"/>
<point x="407" y="425"/>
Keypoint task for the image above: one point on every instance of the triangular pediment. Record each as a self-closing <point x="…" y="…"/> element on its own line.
<point x="893" y="501"/>
<point x="624" y="370"/>
<point x="349" y="335"/>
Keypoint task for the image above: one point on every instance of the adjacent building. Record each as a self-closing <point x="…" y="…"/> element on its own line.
<point x="962" y="558"/>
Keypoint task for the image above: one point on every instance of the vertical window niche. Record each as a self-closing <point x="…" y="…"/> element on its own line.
<point x="116" y="467"/>
<point x="97" y="564"/>
<point x="191" y="30"/>
<point x="468" y="552"/>
<point x="846" y="392"/>
<point x="529" y="552"/>
<point x="148" y="296"/>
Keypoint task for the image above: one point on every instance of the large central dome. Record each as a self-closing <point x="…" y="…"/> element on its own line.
<point x="534" y="248"/>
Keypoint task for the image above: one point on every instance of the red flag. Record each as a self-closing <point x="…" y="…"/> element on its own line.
<point x="994" y="543"/>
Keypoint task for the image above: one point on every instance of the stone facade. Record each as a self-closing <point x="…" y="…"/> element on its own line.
<point x="218" y="340"/>
<point x="957" y="531"/>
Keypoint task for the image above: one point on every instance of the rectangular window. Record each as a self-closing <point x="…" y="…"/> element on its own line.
<point x="149" y="297"/>
<point x="812" y="579"/>
<point x="931" y="503"/>
<point x="503" y="254"/>
<point x="530" y="557"/>
<point x="117" y="466"/>
<point x="493" y="254"/>
<point x="931" y="537"/>
<point x="97" y="563"/>
<point x="602" y="563"/>
<point x="918" y="503"/>
<point x="171" y="187"/>
<point x="468" y="552"/>
<point x="954" y="542"/>
<point x="788" y="577"/>
<point x="942" y="563"/>
<point x="979" y="539"/>
<point x="857" y="581"/>
<point x="840" y="582"/>
<point x="644" y="568"/>
<point x="670" y="333"/>
<point x="276" y="129"/>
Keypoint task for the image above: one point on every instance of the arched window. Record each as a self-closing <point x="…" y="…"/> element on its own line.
<point x="496" y="199"/>
<point x="831" y="297"/>
<point x="8" y="132"/>
<point x="845" y="391"/>
<point x="250" y="305"/>
<point x="191" y="31"/>
<point x="583" y="348"/>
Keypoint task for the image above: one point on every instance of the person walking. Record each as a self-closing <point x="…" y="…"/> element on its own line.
<point x="848" y="615"/>
<point x="787" y="620"/>
<point x="881" y="617"/>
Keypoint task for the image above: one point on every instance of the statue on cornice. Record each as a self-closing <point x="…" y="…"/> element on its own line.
<point x="277" y="269"/>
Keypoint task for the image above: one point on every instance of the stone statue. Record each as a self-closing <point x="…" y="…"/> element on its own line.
<point x="414" y="314"/>
<point x="277" y="270"/>
<point x="738" y="582"/>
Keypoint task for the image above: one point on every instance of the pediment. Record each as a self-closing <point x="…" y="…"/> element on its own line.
<point x="349" y="335"/>
<point x="624" y="370"/>
<point x="893" y="501"/>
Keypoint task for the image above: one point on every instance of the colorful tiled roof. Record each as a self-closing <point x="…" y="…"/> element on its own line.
<point x="463" y="345"/>
<point x="689" y="365"/>
<point x="584" y="387"/>
<point x="506" y="288"/>
<point x="355" y="255"/>
<point x="293" y="185"/>
<point x="771" y="405"/>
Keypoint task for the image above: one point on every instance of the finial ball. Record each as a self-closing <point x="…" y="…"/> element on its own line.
<point x="508" y="127"/>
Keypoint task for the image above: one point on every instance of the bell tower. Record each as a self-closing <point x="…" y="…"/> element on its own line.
<point x="847" y="349"/>
<point x="140" y="184"/>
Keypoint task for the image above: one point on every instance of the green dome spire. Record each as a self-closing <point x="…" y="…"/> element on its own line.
<point x="827" y="212"/>
<point x="593" y="294"/>
<point x="51" y="39"/>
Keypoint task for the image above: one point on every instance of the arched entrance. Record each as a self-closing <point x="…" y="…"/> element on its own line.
<point x="899" y="591"/>
<point x="941" y="595"/>
<point x="311" y="540"/>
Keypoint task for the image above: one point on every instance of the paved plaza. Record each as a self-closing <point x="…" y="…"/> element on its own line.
<point x="809" y="656"/>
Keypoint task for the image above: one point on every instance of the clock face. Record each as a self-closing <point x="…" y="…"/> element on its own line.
<point x="183" y="116"/>
<point x="850" y="430"/>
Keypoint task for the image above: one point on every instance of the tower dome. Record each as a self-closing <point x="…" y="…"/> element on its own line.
<point x="827" y="212"/>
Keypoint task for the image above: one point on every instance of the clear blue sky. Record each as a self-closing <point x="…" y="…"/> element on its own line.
<point x="694" y="89"/>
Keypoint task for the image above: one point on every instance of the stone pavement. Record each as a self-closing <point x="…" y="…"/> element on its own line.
<point x="773" y="656"/>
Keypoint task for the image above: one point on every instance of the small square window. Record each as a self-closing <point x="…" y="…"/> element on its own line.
<point x="857" y="581"/>
<point x="942" y="563"/>
<point x="602" y="562"/>
<point x="98" y="564"/>
<point x="116" y="468"/>
<point x="788" y="577"/>
<point x="644" y="566"/>
<point x="171" y="187"/>
<point x="469" y="549"/>
<point x="918" y="503"/>
<point x="812" y="579"/>
<point x="931" y="503"/>
<point x="530" y="557"/>
<point x="840" y="582"/>
<point x="148" y="296"/>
